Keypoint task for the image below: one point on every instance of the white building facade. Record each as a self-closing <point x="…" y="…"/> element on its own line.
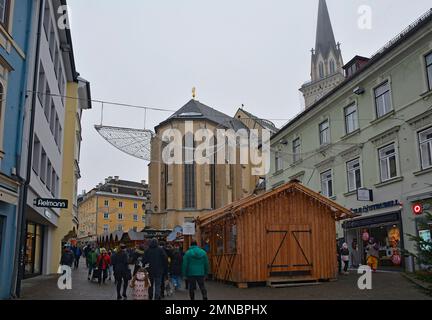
<point x="373" y="133"/>
<point x="55" y="67"/>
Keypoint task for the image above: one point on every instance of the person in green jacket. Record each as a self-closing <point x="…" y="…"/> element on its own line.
<point x="195" y="268"/>
<point x="91" y="260"/>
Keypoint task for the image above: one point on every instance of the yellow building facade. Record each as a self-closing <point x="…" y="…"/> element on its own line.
<point x="78" y="99"/>
<point x="116" y="205"/>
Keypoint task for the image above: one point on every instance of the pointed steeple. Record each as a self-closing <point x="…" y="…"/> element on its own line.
<point x="326" y="61"/>
<point x="325" y="39"/>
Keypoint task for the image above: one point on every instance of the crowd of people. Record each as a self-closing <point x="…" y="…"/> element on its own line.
<point x="153" y="271"/>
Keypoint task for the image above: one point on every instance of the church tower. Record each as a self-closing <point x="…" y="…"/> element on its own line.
<point x="326" y="61"/>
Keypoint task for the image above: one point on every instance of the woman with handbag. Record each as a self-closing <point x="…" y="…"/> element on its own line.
<point x="345" y="254"/>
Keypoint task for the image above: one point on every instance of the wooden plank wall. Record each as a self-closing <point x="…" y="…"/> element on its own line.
<point x="291" y="210"/>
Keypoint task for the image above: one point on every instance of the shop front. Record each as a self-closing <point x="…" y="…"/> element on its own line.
<point x="386" y="229"/>
<point x="423" y="225"/>
<point x="33" y="249"/>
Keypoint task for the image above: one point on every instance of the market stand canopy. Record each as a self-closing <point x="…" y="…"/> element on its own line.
<point x="288" y="234"/>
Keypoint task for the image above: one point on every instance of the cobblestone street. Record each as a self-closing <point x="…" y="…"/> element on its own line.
<point x="387" y="286"/>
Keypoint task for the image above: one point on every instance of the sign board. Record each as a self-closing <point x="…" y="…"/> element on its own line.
<point x="364" y="194"/>
<point x="188" y="229"/>
<point x="51" y="203"/>
<point x="417" y="209"/>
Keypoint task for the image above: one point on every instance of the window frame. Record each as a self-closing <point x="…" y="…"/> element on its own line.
<point x="348" y="171"/>
<point x="296" y="153"/>
<point x="7" y="13"/>
<point x="376" y="97"/>
<point x="321" y="71"/>
<point x="325" y="131"/>
<point x="327" y="180"/>
<point x="427" y="66"/>
<point x="428" y="142"/>
<point x="278" y="162"/>
<point x="356" y="118"/>
<point x="388" y="162"/>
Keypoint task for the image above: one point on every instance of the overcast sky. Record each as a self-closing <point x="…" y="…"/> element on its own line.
<point x="251" y="52"/>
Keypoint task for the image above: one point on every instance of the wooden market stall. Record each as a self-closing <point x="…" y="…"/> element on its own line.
<point x="285" y="235"/>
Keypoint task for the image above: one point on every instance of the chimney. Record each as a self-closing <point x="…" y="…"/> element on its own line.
<point x="143" y="182"/>
<point x="117" y="178"/>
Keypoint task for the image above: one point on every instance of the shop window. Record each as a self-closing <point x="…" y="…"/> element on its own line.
<point x="425" y="140"/>
<point x="382" y="99"/>
<point x="387" y="163"/>
<point x="33" y="250"/>
<point x="354" y="175"/>
<point x="327" y="184"/>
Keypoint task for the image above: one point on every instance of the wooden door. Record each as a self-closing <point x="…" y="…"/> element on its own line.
<point x="289" y="250"/>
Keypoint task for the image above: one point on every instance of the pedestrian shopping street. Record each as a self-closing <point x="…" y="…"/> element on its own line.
<point x="385" y="285"/>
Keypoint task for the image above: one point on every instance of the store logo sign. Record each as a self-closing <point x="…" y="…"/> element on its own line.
<point x="418" y="209"/>
<point x="377" y="206"/>
<point x="365" y="280"/>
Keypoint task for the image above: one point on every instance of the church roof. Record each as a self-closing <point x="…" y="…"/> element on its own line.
<point x="325" y="39"/>
<point x="195" y="110"/>
<point x="267" y="124"/>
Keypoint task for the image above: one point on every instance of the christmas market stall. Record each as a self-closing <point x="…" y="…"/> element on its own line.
<point x="282" y="236"/>
<point x="131" y="238"/>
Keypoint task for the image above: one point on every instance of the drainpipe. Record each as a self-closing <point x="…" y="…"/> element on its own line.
<point x="21" y="237"/>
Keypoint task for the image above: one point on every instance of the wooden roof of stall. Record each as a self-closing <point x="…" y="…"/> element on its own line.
<point x="340" y="212"/>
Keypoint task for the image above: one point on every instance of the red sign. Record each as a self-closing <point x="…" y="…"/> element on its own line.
<point x="417" y="209"/>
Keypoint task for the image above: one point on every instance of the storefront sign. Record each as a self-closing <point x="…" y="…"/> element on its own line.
<point x="51" y="203"/>
<point x="189" y="229"/>
<point x="377" y="206"/>
<point x="364" y="194"/>
<point x="373" y="220"/>
<point x="417" y="209"/>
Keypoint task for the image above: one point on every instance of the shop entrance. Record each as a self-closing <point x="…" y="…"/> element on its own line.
<point x="388" y="235"/>
<point x="33" y="250"/>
